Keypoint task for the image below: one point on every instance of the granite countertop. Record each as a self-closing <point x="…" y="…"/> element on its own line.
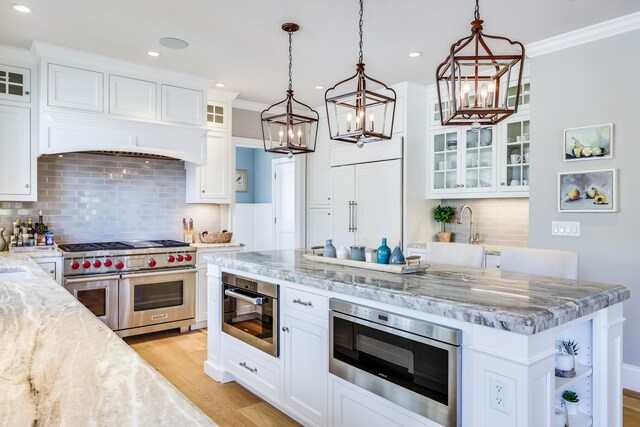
<point x="488" y="249"/>
<point x="216" y="245"/>
<point x="521" y="303"/>
<point x="60" y="365"/>
<point x="37" y="251"/>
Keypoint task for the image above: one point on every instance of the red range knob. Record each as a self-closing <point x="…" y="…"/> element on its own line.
<point x="171" y="258"/>
<point x="97" y="263"/>
<point x="75" y="265"/>
<point x="86" y="264"/>
<point x="188" y="257"/>
<point x="152" y="262"/>
<point x="108" y="263"/>
<point x="120" y="265"/>
<point x="180" y="258"/>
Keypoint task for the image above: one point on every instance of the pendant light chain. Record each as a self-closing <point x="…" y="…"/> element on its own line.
<point x="476" y="14"/>
<point x="290" y="61"/>
<point x="360" y="25"/>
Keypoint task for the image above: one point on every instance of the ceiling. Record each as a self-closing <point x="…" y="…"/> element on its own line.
<point x="240" y="42"/>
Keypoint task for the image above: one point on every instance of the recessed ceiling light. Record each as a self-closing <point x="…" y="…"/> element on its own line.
<point x="22" y="8"/>
<point x="414" y="54"/>
<point x="173" y="43"/>
<point x="319" y="87"/>
<point x="220" y="84"/>
<point x="153" y="53"/>
<point x="60" y="155"/>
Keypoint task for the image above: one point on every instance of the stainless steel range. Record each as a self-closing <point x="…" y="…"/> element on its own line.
<point x="134" y="287"/>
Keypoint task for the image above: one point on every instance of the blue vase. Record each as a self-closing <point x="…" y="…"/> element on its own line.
<point x="384" y="252"/>
<point x="397" y="257"/>
<point x="329" y="250"/>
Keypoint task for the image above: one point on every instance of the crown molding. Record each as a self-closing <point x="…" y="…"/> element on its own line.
<point x="588" y="34"/>
<point x="244" y="104"/>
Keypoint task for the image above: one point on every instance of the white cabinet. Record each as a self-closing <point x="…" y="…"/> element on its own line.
<point x="367" y="203"/>
<point x="132" y="97"/>
<point x="515" y="143"/>
<point x="491" y="260"/>
<point x="182" y="105"/>
<point x="217" y="115"/>
<point x="52" y="266"/>
<point x="211" y="183"/>
<point x="15" y="83"/>
<point x="319" y="168"/>
<point x="15" y="145"/>
<point x="75" y="88"/>
<point x="318" y="226"/>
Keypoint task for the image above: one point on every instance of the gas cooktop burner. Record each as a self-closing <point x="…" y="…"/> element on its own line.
<point x="111" y="246"/>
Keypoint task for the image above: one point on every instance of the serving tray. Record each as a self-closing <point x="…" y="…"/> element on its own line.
<point x="387" y="268"/>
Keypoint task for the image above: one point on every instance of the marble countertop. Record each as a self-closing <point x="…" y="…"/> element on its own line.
<point x="520" y="303"/>
<point x="37" y="251"/>
<point x="60" y="365"/>
<point x="216" y="245"/>
<point x="488" y="249"/>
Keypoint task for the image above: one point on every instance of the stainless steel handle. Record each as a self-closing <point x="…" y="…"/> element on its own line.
<point x="52" y="271"/>
<point x="285" y="329"/>
<point x="90" y="279"/>
<point x="350" y="216"/>
<point x="305" y="303"/>
<point x="355" y="216"/>
<point x="244" y="365"/>
<point x="159" y="273"/>
<point x="245" y="298"/>
<point x="502" y="183"/>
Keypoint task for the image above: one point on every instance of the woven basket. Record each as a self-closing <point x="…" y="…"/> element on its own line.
<point x="215" y="237"/>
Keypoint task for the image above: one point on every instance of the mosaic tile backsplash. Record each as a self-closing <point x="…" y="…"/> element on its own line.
<point x="87" y="197"/>
<point x="500" y="222"/>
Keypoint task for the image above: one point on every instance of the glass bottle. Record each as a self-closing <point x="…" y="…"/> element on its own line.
<point x="329" y="250"/>
<point x="397" y="257"/>
<point x="384" y="252"/>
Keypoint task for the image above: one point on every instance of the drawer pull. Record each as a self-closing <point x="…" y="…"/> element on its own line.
<point x="244" y="365"/>
<point x="305" y="303"/>
<point x="285" y="329"/>
<point x="52" y="271"/>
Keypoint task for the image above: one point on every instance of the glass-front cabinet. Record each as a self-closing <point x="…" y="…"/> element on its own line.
<point x="463" y="160"/>
<point x="515" y="156"/>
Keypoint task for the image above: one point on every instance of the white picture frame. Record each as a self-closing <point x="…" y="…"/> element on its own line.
<point x="588" y="143"/>
<point x="588" y="191"/>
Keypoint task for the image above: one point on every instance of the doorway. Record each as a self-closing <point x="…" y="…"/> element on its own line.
<point x="284" y="218"/>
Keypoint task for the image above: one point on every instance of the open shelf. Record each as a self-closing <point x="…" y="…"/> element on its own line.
<point x="580" y="420"/>
<point x="582" y="371"/>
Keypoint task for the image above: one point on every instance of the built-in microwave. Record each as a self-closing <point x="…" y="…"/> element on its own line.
<point x="411" y="362"/>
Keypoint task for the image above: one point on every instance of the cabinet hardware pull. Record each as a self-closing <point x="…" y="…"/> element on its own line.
<point x="244" y="365"/>
<point x="52" y="271"/>
<point x="203" y="191"/>
<point x="285" y="329"/>
<point x="26" y="186"/>
<point x="355" y="216"/>
<point x="502" y="183"/>
<point x="350" y="215"/>
<point x="27" y="92"/>
<point x="299" y="301"/>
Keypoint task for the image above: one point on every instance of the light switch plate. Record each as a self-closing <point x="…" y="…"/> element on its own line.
<point x="565" y="228"/>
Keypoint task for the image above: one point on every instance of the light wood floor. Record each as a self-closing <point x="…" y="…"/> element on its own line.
<point x="179" y="359"/>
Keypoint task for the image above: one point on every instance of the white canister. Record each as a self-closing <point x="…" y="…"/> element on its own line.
<point x="371" y="255"/>
<point x="343" y="253"/>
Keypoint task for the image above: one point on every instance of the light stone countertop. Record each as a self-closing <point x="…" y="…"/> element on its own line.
<point x="37" y="251"/>
<point x="488" y="249"/>
<point x="216" y="245"/>
<point x="521" y="303"/>
<point x="60" y="365"/>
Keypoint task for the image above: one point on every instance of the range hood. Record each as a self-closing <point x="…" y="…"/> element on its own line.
<point x="62" y="132"/>
<point x="130" y="154"/>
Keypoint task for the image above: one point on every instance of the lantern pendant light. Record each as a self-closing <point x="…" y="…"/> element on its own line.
<point x="473" y="82"/>
<point x="360" y="109"/>
<point x="295" y="130"/>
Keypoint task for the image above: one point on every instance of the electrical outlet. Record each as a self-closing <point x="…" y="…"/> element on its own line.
<point x="565" y="228"/>
<point x="499" y="394"/>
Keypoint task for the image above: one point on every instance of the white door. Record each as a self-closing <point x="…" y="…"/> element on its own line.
<point x="378" y="212"/>
<point x="284" y="208"/>
<point x="15" y="144"/>
<point x="319" y="229"/>
<point x="343" y="189"/>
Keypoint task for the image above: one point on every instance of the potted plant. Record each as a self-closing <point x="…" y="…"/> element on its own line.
<point x="571" y="400"/>
<point x="565" y="359"/>
<point x="443" y="214"/>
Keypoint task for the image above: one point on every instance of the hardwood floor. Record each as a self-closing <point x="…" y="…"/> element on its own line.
<point x="179" y="358"/>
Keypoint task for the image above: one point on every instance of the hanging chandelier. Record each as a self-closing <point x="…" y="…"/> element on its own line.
<point x="355" y="112"/>
<point x="295" y="130"/>
<point x="473" y="82"/>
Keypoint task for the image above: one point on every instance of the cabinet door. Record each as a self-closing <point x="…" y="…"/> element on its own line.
<point x="181" y="105"/>
<point x="75" y="88"/>
<point x="15" y="146"/>
<point x="343" y="190"/>
<point x="378" y="212"/>
<point x="319" y="227"/>
<point x="15" y="83"/>
<point x="443" y="153"/>
<point x="515" y="155"/>
<point x="306" y="366"/>
<point x="214" y="177"/>
<point x="319" y="168"/>
<point x="217" y="115"/>
<point x="132" y="97"/>
<point x="201" y="296"/>
<point x="479" y="159"/>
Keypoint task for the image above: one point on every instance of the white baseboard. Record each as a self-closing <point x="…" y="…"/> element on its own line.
<point x="631" y="377"/>
<point x="217" y="374"/>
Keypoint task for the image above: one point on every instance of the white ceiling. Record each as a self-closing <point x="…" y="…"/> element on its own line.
<point x="240" y="43"/>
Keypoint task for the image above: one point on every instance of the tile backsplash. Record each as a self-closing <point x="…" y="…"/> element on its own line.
<point x="501" y="222"/>
<point x="88" y="197"/>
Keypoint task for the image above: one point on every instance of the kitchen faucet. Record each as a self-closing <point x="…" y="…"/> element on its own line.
<point x="473" y="238"/>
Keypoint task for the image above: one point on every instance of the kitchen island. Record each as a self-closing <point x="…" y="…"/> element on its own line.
<point x="60" y="365"/>
<point x="509" y="324"/>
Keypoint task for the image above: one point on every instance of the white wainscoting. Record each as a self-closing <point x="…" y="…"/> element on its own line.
<point x="253" y="226"/>
<point x="631" y="377"/>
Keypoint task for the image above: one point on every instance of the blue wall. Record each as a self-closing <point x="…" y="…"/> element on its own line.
<point x="257" y="162"/>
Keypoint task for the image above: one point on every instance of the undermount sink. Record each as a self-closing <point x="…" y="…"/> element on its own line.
<point x="14" y="274"/>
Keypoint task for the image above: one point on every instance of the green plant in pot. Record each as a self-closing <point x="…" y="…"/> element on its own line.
<point x="571" y="400"/>
<point x="443" y="215"/>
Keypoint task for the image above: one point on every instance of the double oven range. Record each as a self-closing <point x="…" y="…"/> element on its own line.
<point x="134" y="287"/>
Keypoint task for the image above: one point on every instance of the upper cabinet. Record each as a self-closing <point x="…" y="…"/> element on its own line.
<point x="75" y="88"/>
<point x="15" y="83"/>
<point x="181" y="105"/>
<point x="133" y="97"/>
<point x="217" y="115"/>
